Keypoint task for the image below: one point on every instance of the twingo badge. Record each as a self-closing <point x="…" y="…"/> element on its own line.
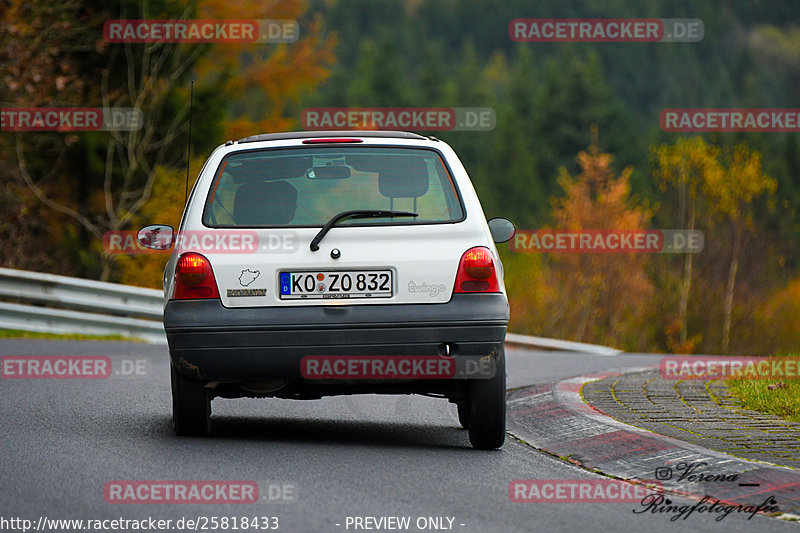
<point x="247" y="292"/>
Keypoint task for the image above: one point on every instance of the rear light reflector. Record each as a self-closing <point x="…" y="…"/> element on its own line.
<point x="477" y="272"/>
<point x="194" y="278"/>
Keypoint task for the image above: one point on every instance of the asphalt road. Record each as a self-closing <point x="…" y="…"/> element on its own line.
<point x="366" y="456"/>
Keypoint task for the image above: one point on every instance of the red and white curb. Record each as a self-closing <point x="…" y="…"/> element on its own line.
<point x="554" y="418"/>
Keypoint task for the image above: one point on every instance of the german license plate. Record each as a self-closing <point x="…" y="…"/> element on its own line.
<point x="336" y="284"/>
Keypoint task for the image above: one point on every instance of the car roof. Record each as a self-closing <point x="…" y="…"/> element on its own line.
<point x="333" y="133"/>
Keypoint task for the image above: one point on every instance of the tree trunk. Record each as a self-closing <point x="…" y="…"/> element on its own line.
<point x="686" y="284"/>
<point x="105" y="273"/>
<point x="726" y="327"/>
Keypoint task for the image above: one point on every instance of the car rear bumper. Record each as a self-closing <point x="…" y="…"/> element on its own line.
<point x="211" y="342"/>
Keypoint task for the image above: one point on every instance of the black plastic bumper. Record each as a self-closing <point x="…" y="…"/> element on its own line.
<point x="211" y="342"/>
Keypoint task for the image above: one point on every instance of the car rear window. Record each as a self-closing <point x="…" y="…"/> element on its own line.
<point x="308" y="186"/>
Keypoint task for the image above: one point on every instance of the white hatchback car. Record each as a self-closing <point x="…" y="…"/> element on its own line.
<point x="310" y="264"/>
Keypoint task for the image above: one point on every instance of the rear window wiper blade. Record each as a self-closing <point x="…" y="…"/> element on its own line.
<point x="362" y="213"/>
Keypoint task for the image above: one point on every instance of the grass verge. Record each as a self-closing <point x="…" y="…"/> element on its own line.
<point x="20" y="334"/>
<point x="776" y="396"/>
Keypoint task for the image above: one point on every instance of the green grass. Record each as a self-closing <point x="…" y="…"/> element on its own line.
<point x="756" y="395"/>
<point x="20" y="334"/>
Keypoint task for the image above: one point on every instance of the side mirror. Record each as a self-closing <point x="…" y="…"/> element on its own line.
<point x="156" y="236"/>
<point x="501" y="229"/>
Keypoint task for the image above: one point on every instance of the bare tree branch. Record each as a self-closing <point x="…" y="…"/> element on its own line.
<point x="23" y="169"/>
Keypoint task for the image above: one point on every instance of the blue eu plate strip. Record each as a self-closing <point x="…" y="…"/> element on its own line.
<point x="286" y="283"/>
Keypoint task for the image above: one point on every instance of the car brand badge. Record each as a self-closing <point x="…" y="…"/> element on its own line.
<point x="246" y="292"/>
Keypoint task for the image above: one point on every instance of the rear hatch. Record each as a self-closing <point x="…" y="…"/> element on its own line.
<point x="266" y="206"/>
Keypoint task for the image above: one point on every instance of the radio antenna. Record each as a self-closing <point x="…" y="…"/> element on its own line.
<point x="189" y="143"/>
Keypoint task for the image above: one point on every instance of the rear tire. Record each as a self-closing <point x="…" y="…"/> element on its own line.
<point x="463" y="414"/>
<point x="487" y="408"/>
<point x="191" y="406"/>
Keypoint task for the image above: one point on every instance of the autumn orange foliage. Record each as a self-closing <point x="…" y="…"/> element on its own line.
<point x="591" y="297"/>
<point x="270" y="77"/>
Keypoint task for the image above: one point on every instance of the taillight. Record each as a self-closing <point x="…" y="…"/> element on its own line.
<point x="194" y="278"/>
<point x="476" y="272"/>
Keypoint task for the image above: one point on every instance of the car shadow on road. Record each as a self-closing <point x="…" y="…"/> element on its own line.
<point x="338" y="432"/>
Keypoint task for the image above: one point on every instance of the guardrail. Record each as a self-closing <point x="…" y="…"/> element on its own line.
<point x="72" y="305"/>
<point x="557" y="344"/>
<point x="76" y="305"/>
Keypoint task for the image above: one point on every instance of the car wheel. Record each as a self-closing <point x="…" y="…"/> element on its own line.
<point x="191" y="406"/>
<point x="487" y="408"/>
<point x="463" y="414"/>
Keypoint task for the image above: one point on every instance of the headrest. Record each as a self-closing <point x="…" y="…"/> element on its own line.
<point x="402" y="177"/>
<point x="260" y="203"/>
<point x="268" y="168"/>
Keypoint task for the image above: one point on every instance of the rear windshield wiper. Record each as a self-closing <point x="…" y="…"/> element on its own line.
<point x="362" y="213"/>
